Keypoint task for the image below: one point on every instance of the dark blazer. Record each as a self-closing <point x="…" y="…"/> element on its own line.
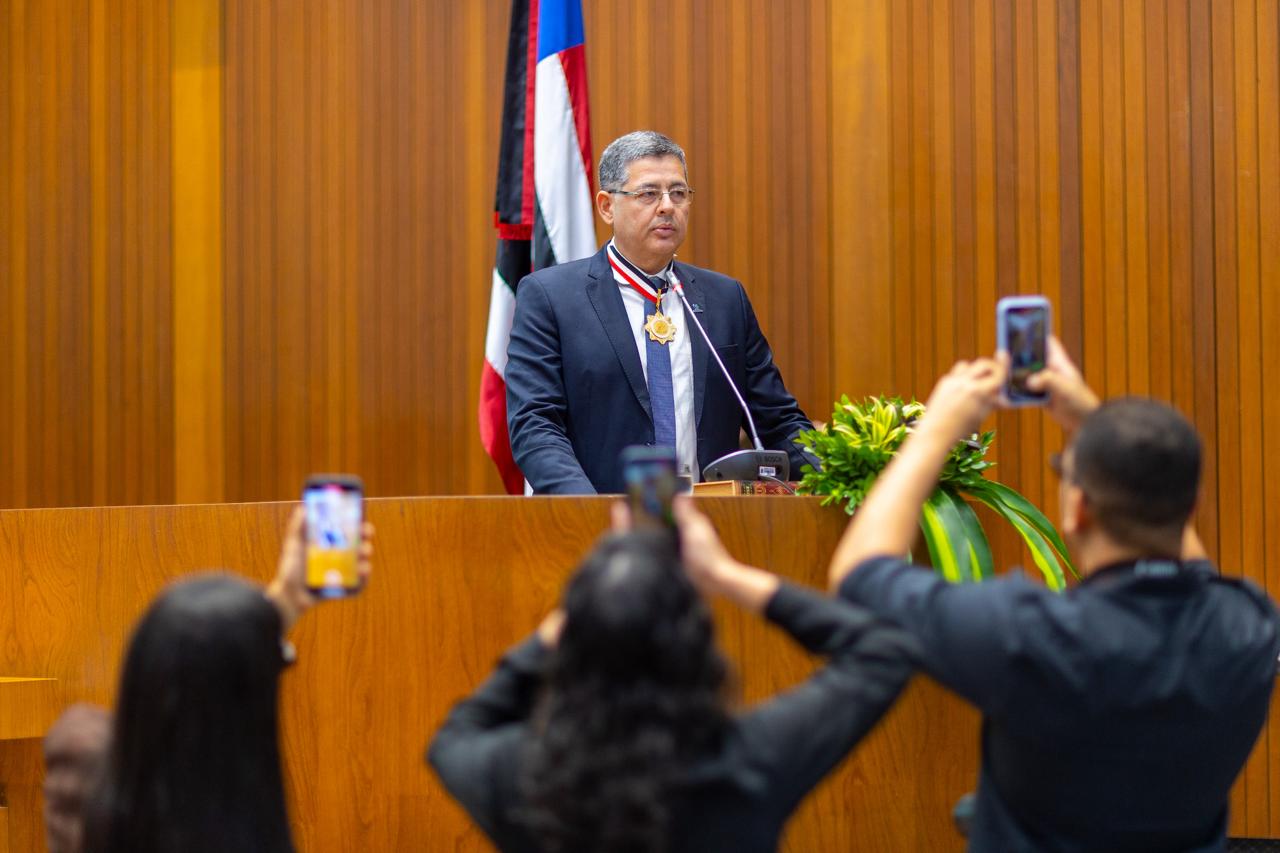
<point x="576" y="392"/>
<point x="737" y="798"/>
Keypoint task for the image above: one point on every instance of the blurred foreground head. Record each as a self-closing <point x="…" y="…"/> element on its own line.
<point x="194" y="763"/>
<point x="1132" y="473"/>
<point x="635" y="693"/>
<point x="74" y="749"/>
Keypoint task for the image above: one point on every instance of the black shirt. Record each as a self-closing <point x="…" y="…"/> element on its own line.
<point x="1116" y="714"/>
<point x="737" y="799"/>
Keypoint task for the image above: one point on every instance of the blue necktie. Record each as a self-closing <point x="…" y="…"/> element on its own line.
<point x="661" y="396"/>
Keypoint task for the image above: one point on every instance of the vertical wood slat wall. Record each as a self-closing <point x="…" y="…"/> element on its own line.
<point x="86" y="392"/>
<point x="309" y="290"/>
<point x="1121" y="157"/>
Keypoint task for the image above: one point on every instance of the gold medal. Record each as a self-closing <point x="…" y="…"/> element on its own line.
<point x="660" y="328"/>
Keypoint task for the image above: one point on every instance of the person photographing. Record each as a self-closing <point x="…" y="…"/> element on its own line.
<point x="1116" y="714"/>
<point x="610" y="727"/>
<point x="193" y="758"/>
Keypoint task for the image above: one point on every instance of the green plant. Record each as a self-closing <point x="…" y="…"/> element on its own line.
<point x="860" y="441"/>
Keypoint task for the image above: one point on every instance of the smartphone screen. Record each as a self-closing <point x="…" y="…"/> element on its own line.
<point x="650" y="476"/>
<point x="334" y="515"/>
<point x="1023" y="323"/>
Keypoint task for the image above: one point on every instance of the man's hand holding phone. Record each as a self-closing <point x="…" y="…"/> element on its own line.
<point x="1040" y="371"/>
<point x="1070" y="399"/>
<point x="1023" y="326"/>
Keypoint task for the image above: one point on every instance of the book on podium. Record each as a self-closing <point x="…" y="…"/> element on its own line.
<point x="720" y="488"/>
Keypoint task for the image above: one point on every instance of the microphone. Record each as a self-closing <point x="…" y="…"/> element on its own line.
<point x="758" y="464"/>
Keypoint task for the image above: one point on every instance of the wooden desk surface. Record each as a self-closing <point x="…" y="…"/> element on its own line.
<point x="28" y="706"/>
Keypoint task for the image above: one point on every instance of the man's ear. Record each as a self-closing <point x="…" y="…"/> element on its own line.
<point x="1076" y="515"/>
<point x="604" y="204"/>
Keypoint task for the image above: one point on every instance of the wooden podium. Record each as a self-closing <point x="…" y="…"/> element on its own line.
<point x="456" y="581"/>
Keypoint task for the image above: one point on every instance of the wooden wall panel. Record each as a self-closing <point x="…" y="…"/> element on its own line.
<point x="85" y="335"/>
<point x="1121" y="157"/>
<point x="744" y="91"/>
<point x="198" y="249"/>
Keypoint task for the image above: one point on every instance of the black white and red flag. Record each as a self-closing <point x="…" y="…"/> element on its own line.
<point x="543" y="208"/>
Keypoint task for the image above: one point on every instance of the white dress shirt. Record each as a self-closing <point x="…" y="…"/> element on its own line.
<point x="638" y="309"/>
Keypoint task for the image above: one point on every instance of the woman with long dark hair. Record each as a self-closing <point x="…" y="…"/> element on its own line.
<point x="194" y="759"/>
<point x="610" y="730"/>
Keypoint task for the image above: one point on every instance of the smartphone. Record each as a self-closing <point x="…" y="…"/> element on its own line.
<point x="1022" y="330"/>
<point x="650" y="476"/>
<point x="334" y="506"/>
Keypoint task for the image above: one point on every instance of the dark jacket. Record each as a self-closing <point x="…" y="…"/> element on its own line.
<point x="736" y="799"/>
<point x="576" y="391"/>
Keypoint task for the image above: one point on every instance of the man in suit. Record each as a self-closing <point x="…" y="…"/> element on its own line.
<point x="602" y="354"/>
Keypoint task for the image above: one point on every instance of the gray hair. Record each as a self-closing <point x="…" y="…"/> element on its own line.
<point x="634" y="146"/>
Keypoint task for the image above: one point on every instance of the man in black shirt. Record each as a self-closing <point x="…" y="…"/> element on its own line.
<point x="1115" y="714"/>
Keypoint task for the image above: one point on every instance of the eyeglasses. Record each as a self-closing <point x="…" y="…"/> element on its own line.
<point x="648" y="197"/>
<point x="1058" y="464"/>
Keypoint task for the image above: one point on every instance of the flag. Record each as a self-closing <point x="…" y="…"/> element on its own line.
<point x="543" y="205"/>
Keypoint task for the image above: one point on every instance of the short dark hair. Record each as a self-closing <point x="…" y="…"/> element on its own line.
<point x="1138" y="463"/>
<point x="194" y="762"/>
<point x="637" y="145"/>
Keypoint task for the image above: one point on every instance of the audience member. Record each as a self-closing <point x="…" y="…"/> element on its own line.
<point x="194" y="761"/>
<point x="1116" y="714"/>
<point x="73" y="751"/>
<point x="609" y="728"/>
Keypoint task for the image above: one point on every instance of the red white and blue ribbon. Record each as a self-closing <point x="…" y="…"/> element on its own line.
<point x="633" y="275"/>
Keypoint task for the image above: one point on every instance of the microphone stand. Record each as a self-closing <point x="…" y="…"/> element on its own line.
<point x="757" y="464"/>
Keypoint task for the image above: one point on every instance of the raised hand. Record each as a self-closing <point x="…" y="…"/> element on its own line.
<point x="712" y="568"/>
<point x="1070" y="399"/>
<point x="288" y="589"/>
<point x="963" y="397"/>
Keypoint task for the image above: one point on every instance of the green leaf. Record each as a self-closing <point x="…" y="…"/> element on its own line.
<point x="1046" y="559"/>
<point x="1043" y="554"/>
<point x="940" y="515"/>
<point x="1029" y="512"/>
<point x="931" y="534"/>
<point x="979" y="548"/>
<point x="941" y="551"/>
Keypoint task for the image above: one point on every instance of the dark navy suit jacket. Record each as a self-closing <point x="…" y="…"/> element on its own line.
<point x="576" y="392"/>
